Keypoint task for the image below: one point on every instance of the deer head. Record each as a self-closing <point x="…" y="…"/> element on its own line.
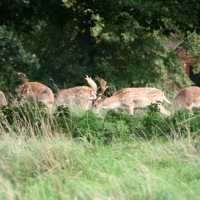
<point x="100" y="98"/>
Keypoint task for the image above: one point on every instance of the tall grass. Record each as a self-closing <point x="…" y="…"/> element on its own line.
<point x="42" y="160"/>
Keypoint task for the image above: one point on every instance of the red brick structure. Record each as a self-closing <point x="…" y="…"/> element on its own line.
<point x="181" y="53"/>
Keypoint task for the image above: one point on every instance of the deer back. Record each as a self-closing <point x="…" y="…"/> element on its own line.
<point x="152" y="94"/>
<point x="80" y="95"/>
<point x="188" y="98"/>
<point x="126" y="97"/>
<point x="35" y="91"/>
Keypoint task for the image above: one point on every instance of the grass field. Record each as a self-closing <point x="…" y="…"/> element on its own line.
<point x="53" y="166"/>
<point x="58" y="168"/>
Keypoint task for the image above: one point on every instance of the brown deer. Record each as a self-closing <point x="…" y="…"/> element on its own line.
<point x="187" y="98"/>
<point x="3" y="101"/>
<point x="81" y="96"/>
<point x="34" y="91"/>
<point x="130" y="98"/>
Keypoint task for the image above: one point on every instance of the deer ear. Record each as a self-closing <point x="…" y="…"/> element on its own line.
<point x="93" y="96"/>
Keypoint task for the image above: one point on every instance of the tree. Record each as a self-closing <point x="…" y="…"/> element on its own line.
<point x="13" y="58"/>
<point x="121" y="41"/>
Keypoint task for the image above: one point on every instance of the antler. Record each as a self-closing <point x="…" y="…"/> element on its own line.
<point x="23" y="77"/>
<point x="103" y="85"/>
<point x="92" y="84"/>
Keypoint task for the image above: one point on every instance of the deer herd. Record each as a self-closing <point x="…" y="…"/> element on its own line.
<point x="87" y="98"/>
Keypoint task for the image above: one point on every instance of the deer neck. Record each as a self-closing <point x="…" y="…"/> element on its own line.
<point x="111" y="103"/>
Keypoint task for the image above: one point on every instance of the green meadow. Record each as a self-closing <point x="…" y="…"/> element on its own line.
<point x="74" y="155"/>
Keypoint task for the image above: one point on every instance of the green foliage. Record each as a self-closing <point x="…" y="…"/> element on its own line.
<point x="193" y="48"/>
<point x="114" y="127"/>
<point x="91" y="127"/>
<point x="62" y="111"/>
<point x="186" y="123"/>
<point x="13" y="58"/>
<point x="117" y="46"/>
<point x="122" y="41"/>
<point x="153" y="125"/>
<point x="27" y="115"/>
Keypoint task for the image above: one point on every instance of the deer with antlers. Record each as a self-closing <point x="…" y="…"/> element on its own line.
<point x="3" y="101"/>
<point x="130" y="98"/>
<point x="34" y="91"/>
<point x="81" y="96"/>
<point x="187" y="98"/>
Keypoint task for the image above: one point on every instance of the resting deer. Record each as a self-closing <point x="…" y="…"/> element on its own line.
<point x="130" y="98"/>
<point x="34" y="91"/>
<point x="187" y="98"/>
<point x="3" y="101"/>
<point x="81" y="96"/>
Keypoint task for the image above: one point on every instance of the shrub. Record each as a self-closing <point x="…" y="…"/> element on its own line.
<point x="185" y="122"/>
<point x="114" y="127"/>
<point x="90" y="126"/>
<point x="26" y="115"/>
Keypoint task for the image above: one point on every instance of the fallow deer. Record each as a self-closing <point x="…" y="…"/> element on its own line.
<point x="187" y="98"/>
<point x="34" y="91"/>
<point x="81" y="96"/>
<point x="130" y="98"/>
<point x="3" y="101"/>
